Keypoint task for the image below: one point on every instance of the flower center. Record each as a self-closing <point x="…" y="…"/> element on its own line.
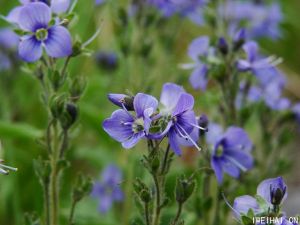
<point x="138" y="125"/>
<point x="219" y="151"/>
<point x="41" y="34"/>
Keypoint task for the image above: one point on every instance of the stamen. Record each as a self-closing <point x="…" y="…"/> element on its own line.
<point x="189" y="138"/>
<point x="201" y="128"/>
<point x="228" y="204"/>
<point x="244" y="169"/>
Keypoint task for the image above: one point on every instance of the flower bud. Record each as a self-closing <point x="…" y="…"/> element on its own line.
<point x="277" y="194"/>
<point x="82" y="188"/>
<point x="77" y="88"/>
<point x="56" y="80"/>
<point x="69" y="116"/>
<point x="203" y="123"/>
<point x="223" y="46"/>
<point x="57" y="104"/>
<point x="142" y="191"/>
<point x="184" y="189"/>
<point x="122" y="100"/>
<point x="239" y="39"/>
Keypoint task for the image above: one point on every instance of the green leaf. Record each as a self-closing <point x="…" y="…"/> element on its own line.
<point x="19" y="130"/>
<point x="246" y="220"/>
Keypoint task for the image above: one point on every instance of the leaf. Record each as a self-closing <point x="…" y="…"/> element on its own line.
<point x="19" y="130"/>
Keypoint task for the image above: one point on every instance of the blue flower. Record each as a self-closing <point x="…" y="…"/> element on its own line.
<point x="108" y="189"/>
<point x="197" y="49"/>
<point x="272" y="191"/>
<point x="189" y="8"/>
<point x="177" y="108"/>
<point x="107" y="60"/>
<point x="231" y="151"/>
<point x="261" y="20"/>
<point x="8" y="43"/>
<point x="127" y="128"/>
<point x="55" y="39"/>
<point x="57" y="7"/>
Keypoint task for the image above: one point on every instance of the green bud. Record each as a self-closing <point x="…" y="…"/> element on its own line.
<point x="69" y="116"/>
<point x="142" y="191"/>
<point x="83" y="187"/>
<point x="56" y="79"/>
<point x="184" y="189"/>
<point x="77" y="87"/>
<point x="32" y="219"/>
<point x="77" y="49"/>
<point x="246" y="220"/>
<point x="57" y="104"/>
<point x="155" y="163"/>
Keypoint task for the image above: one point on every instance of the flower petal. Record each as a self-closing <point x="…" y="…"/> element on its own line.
<point x="229" y="168"/>
<point x="251" y="48"/>
<point x="173" y="141"/>
<point x="198" y="78"/>
<point x="116" y="125"/>
<point x="60" y="6"/>
<point x="142" y="102"/>
<point x="105" y="203"/>
<point x="30" y="50"/>
<point x="133" y="140"/>
<point x="14" y="15"/>
<point x="170" y="95"/>
<point x="216" y="166"/>
<point x="184" y="103"/>
<point x="214" y="133"/>
<point x="264" y="188"/>
<point x="198" y="47"/>
<point x="59" y="42"/>
<point x="242" y="205"/>
<point x="34" y="16"/>
<point x="236" y="138"/>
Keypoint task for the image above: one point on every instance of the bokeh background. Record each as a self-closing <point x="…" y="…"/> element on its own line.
<point x="23" y="119"/>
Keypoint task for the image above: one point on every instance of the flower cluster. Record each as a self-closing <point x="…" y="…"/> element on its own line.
<point x="108" y="190"/>
<point x="174" y="119"/>
<point x="271" y="193"/>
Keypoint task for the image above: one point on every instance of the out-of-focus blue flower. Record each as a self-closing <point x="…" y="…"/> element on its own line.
<point x="107" y="60"/>
<point x="177" y="107"/>
<point x="127" y="128"/>
<point x="231" y="151"/>
<point x="108" y="189"/>
<point x="272" y="191"/>
<point x="55" y="39"/>
<point x="8" y="43"/>
<point x="189" y="8"/>
<point x="197" y="49"/>
<point x="253" y="62"/>
<point x="261" y="20"/>
<point x="99" y="2"/>
<point x="57" y="7"/>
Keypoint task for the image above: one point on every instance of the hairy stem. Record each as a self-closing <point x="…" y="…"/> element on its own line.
<point x="158" y="195"/>
<point x="147" y="216"/>
<point x="72" y="212"/>
<point x="179" y="211"/>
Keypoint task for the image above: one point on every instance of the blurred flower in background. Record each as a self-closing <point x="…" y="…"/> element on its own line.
<point x="231" y="151"/>
<point x="8" y="44"/>
<point x="108" y="190"/>
<point x="261" y="19"/>
<point x="107" y="60"/>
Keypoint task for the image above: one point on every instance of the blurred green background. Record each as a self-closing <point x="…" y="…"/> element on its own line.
<point x="23" y="118"/>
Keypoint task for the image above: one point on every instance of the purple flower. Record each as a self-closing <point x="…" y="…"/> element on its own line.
<point x="57" y="7"/>
<point x="108" y="190"/>
<point x="177" y="109"/>
<point x="261" y="20"/>
<point x="55" y="39"/>
<point x="197" y="49"/>
<point x="8" y="43"/>
<point x="189" y="8"/>
<point x="127" y="128"/>
<point x="107" y="60"/>
<point x="231" y="152"/>
<point x="253" y="62"/>
<point x="99" y="2"/>
<point x="272" y="191"/>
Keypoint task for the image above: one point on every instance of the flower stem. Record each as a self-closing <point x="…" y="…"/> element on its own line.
<point x="157" y="206"/>
<point x="179" y="210"/>
<point x="147" y="216"/>
<point x="73" y="207"/>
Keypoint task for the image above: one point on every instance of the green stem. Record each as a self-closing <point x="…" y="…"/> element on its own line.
<point x="147" y="216"/>
<point x="54" y="200"/>
<point x="179" y="210"/>
<point x="165" y="161"/>
<point x="46" y="203"/>
<point x="157" y="206"/>
<point x="72" y="212"/>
